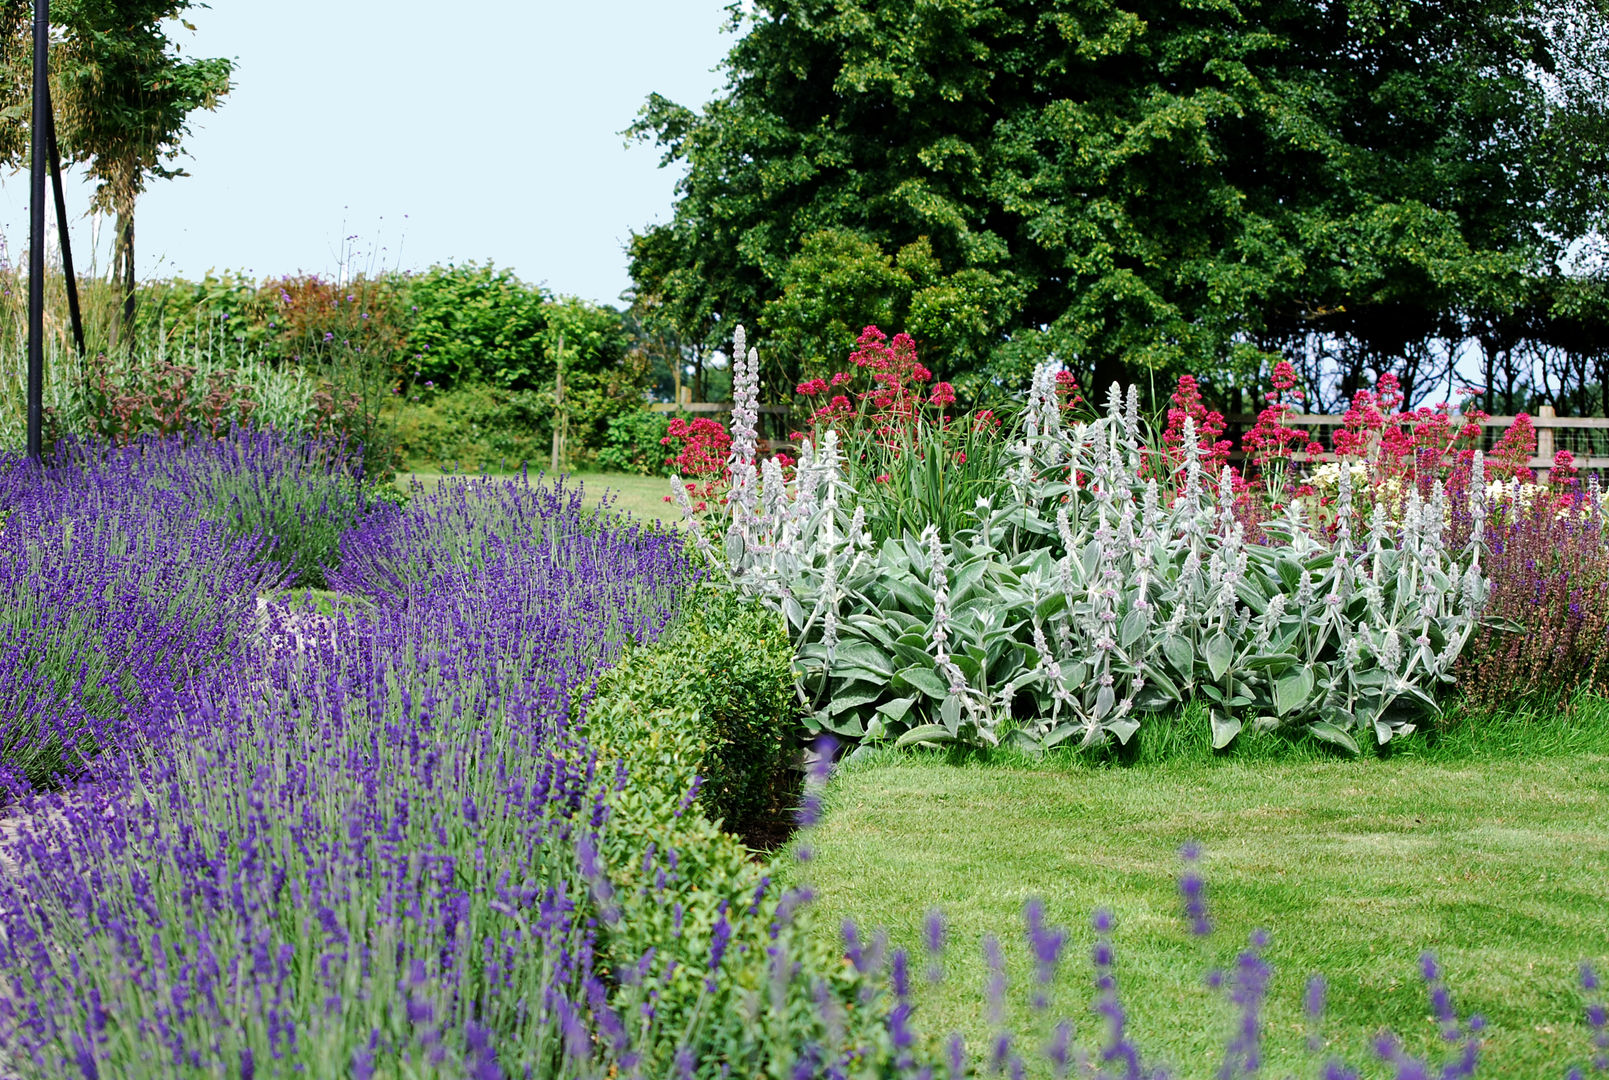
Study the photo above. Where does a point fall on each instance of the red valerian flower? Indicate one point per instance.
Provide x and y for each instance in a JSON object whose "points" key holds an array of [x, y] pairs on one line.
{"points": [[943, 394], [813, 387]]}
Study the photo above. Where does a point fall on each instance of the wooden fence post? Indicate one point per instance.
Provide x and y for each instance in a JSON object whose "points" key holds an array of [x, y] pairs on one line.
{"points": [[1544, 445]]}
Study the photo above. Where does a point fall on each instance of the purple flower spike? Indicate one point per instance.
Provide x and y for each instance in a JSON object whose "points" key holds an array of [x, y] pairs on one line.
{"points": [[1313, 1007], [933, 940], [996, 990], [956, 1056]]}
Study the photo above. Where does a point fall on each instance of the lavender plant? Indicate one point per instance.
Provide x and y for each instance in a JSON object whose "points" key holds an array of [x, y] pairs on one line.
{"points": [[373, 852], [113, 595]]}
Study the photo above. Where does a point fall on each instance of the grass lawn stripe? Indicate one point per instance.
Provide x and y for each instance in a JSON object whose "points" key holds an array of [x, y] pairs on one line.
{"points": [[1501, 867]]}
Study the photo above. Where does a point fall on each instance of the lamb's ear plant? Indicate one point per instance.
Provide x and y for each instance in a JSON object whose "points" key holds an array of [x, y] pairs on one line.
{"points": [[1107, 580]]}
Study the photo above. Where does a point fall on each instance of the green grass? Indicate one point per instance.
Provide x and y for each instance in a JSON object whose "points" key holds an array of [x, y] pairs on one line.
{"points": [[1498, 862], [642, 496], [319, 601]]}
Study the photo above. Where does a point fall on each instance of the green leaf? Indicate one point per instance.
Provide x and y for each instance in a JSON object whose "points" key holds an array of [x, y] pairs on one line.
{"points": [[1220, 653], [853, 696], [1331, 734], [897, 709], [1292, 690], [924, 733], [950, 714], [1180, 655], [1124, 729], [924, 679], [1224, 729], [864, 654], [1134, 625]]}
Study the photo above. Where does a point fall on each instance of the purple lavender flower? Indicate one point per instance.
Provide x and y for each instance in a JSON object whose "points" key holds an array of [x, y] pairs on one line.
{"points": [[933, 941]]}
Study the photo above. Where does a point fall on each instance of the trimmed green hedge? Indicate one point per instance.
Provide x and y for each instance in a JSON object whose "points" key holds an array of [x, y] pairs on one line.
{"points": [[713, 700], [724, 675]]}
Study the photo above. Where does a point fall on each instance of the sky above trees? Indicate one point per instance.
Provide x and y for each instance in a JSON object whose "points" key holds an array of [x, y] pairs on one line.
{"points": [[487, 130]]}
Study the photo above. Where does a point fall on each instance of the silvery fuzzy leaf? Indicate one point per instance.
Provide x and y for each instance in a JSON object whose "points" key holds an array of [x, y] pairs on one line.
{"points": [[950, 713], [865, 655], [1274, 662], [1224, 729], [873, 627], [735, 547], [897, 709], [793, 612], [1124, 729], [1104, 700], [926, 733], [924, 679], [1180, 654], [1134, 625], [1329, 733], [1292, 690], [1220, 653], [854, 696]]}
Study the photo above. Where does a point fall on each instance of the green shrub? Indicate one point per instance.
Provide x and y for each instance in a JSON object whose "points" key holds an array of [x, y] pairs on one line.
{"points": [[685, 708], [726, 673], [476, 427], [478, 323], [631, 444]]}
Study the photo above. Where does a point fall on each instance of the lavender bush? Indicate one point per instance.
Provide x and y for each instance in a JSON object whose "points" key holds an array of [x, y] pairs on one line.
{"points": [[112, 594], [371, 836]]}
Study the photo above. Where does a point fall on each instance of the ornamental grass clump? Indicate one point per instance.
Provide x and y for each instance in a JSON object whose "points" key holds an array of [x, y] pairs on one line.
{"points": [[1102, 580]]}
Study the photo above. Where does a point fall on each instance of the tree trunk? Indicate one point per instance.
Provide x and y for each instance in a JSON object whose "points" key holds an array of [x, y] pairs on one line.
{"points": [[123, 274], [125, 232]]}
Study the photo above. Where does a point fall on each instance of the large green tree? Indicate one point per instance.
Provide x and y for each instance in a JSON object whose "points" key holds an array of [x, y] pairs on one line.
{"points": [[1129, 184], [123, 95]]}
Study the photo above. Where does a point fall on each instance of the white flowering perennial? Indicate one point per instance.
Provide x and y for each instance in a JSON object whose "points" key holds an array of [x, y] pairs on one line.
{"points": [[1097, 595]]}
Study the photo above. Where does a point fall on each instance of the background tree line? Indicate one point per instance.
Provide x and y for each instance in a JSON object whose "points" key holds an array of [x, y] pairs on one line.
{"points": [[1153, 187]]}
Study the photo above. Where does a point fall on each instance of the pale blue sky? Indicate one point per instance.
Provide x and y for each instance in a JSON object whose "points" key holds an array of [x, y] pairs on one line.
{"points": [[473, 130]]}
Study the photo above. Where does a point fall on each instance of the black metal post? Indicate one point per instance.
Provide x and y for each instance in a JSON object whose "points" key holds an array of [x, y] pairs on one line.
{"points": [[61, 229], [36, 225]]}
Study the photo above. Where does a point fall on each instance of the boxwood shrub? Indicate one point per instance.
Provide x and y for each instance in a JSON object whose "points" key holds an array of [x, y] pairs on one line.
{"points": [[724, 677]]}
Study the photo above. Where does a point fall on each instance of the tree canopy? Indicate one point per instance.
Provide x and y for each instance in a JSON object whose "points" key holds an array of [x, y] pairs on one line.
{"points": [[1132, 184], [122, 91]]}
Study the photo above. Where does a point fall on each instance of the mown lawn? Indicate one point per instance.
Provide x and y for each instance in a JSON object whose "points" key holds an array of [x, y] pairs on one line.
{"points": [[1499, 865], [643, 496]]}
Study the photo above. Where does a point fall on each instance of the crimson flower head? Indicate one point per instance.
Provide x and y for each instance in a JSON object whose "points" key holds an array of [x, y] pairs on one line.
{"points": [[813, 387], [840, 402], [841, 377], [943, 394], [920, 373], [1284, 375]]}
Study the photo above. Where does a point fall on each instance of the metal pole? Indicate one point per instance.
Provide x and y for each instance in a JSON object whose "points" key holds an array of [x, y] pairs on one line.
{"points": [[36, 229], [61, 228]]}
